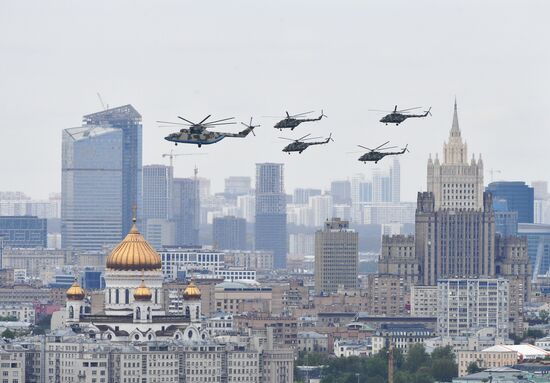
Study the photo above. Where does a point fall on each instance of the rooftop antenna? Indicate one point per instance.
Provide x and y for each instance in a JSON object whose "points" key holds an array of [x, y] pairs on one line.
{"points": [[492, 173]]}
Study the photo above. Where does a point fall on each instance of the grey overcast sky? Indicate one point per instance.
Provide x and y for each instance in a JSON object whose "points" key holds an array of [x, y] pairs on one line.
{"points": [[255, 58]]}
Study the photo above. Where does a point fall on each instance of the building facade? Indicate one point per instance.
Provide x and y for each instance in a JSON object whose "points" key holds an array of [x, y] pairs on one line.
{"points": [[270, 222], [470, 304], [519, 197], [336, 257], [229, 233], [398, 257], [186, 211], [23, 231]]}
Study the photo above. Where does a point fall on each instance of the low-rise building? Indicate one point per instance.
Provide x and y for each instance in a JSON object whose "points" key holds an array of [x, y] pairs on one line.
{"points": [[488, 358], [400, 336], [23, 312], [311, 341], [346, 348]]}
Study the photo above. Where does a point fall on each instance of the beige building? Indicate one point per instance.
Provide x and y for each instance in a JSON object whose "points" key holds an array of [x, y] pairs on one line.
{"points": [[12, 364], [35, 261], [387, 295], [488, 358], [424, 301], [336, 257], [237, 297], [398, 257], [311, 341], [258, 260], [23, 312]]}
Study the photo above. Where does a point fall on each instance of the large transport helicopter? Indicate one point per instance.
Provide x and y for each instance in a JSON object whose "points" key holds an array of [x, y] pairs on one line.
{"points": [[398, 116], [376, 154], [290, 122], [198, 134], [300, 144]]}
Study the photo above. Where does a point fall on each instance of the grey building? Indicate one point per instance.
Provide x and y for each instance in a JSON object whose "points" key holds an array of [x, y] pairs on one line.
{"points": [[336, 257], [23, 231], [157, 191], [236, 186], [186, 211], [126, 119], [270, 225], [340, 192], [91, 187], [455, 221], [229, 233], [301, 196]]}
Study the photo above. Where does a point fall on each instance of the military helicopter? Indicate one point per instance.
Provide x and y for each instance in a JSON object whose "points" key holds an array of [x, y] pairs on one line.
{"points": [[198, 134], [300, 145], [290, 122], [398, 116], [377, 154]]}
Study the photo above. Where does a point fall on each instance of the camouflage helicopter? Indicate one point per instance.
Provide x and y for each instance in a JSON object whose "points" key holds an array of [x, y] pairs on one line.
{"points": [[290, 122], [398, 116], [377, 154], [300, 144], [198, 134]]}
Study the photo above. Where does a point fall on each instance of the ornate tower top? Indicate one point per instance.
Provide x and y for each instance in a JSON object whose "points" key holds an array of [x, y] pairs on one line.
{"points": [[455, 151]]}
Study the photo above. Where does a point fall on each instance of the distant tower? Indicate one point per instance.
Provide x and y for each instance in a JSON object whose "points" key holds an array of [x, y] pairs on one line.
{"points": [[455, 182], [455, 221], [186, 211], [270, 225]]}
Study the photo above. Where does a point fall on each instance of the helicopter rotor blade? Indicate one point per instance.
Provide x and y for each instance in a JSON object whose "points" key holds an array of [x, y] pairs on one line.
{"points": [[301, 138], [190, 122], [223, 119], [381, 111], [301, 114], [364, 147], [173, 123], [406, 110], [385, 143], [289, 139], [217, 124], [206, 118]]}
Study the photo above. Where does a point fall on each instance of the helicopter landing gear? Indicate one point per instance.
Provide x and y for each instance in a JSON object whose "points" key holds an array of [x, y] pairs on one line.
{"points": [[176, 144], [200, 145]]}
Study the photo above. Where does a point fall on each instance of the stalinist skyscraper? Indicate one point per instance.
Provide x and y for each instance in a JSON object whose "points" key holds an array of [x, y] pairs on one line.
{"points": [[454, 218]]}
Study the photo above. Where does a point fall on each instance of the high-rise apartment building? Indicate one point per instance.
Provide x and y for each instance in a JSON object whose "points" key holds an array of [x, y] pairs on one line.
{"points": [[395, 177], [23, 231], [126, 119], [236, 186], [341, 192], [270, 225], [302, 196], [336, 257], [229, 233], [91, 187], [186, 211], [455, 222], [518, 196], [538, 247], [157, 191], [321, 209], [472, 304]]}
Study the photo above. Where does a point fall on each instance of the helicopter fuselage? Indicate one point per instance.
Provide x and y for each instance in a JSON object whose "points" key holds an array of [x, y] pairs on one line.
{"points": [[296, 147], [394, 118], [372, 156], [288, 123], [201, 137]]}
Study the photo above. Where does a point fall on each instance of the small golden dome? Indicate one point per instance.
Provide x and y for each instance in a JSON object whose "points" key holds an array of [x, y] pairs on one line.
{"points": [[134, 253], [191, 292], [75, 292], [142, 293]]}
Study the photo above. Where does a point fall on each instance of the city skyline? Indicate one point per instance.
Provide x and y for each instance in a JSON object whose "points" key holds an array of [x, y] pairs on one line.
{"points": [[296, 75]]}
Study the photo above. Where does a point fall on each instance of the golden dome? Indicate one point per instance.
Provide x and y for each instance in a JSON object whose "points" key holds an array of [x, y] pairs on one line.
{"points": [[75, 292], [191, 292], [133, 253], [142, 293]]}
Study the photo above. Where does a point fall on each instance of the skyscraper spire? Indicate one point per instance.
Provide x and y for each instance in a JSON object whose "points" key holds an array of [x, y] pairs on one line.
{"points": [[455, 130]]}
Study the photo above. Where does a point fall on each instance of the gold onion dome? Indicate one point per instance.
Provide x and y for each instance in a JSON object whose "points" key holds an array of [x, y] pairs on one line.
{"points": [[142, 293], [192, 291], [75, 292], [133, 253]]}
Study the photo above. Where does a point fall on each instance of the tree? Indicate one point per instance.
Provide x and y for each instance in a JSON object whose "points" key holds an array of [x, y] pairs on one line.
{"points": [[444, 370], [544, 315], [473, 368], [8, 334], [416, 357]]}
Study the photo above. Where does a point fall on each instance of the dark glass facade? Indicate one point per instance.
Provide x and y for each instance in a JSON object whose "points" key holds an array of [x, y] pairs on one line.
{"points": [[519, 197], [127, 119], [229, 233], [186, 211]]}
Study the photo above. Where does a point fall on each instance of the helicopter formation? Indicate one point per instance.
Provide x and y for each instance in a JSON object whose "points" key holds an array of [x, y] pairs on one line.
{"points": [[200, 134]]}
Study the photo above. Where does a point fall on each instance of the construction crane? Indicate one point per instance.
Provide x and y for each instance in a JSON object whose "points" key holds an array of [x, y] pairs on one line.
{"points": [[171, 155], [105, 106]]}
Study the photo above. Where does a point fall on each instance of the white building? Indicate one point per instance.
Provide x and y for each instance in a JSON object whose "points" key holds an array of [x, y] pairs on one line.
{"points": [[469, 304], [347, 348], [321, 209], [23, 312], [424, 301]]}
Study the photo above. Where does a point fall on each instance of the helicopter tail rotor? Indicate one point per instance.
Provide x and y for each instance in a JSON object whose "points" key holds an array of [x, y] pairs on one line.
{"points": [[330, 138], [250, 126], [426, 112], [323, 114]]}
